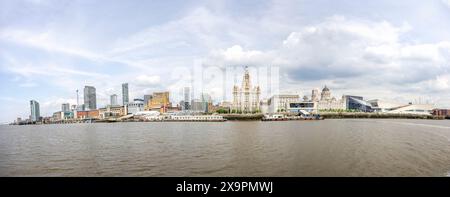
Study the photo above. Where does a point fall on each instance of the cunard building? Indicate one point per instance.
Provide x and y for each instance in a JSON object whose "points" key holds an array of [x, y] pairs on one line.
{"points": [[246, 97]]}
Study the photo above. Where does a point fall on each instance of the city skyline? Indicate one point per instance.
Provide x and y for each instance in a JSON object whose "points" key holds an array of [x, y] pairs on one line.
{"points": [[398, 50], [245, 101]]}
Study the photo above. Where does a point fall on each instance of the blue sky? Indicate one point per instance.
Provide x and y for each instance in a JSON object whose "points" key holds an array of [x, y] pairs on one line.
{"points": [[393, 50]]}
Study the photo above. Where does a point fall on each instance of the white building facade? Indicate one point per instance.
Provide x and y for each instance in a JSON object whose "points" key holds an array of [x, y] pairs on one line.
{"points": [[280, 103], [246, 98], [327, 102], [135, 106]]}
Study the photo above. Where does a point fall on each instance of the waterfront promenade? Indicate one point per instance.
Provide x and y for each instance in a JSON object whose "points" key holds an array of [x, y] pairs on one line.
{"points": [[359, 115], [247, 117]]}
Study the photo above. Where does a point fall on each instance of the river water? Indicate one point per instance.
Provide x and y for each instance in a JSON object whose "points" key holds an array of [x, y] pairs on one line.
{"points": [[349, 147]]}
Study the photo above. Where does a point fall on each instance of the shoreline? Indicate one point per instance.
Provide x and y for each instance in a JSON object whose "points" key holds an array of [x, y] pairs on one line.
{"points": [[356, 115], [260, 117]]}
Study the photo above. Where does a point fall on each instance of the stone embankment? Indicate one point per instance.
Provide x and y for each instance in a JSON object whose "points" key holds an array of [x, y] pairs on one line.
{"points": [[343, 115], [248, 117]]}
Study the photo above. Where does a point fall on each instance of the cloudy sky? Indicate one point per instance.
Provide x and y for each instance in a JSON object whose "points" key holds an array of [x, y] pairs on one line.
{"points": [[394, 50]]}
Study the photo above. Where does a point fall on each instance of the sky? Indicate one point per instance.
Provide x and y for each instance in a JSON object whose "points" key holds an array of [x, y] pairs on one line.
{"points": [[392, 50]]}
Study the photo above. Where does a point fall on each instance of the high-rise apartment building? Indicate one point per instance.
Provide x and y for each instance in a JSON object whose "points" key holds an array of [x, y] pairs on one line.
{"points": [[35, 112], [90, 98], [125, 97], [187, 97], [113, 101], [65, 107]]}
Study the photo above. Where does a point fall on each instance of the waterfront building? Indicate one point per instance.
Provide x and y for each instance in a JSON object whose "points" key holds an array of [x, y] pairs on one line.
{"points": [[246, 97], [67, 115], [264, 106], [381, 106], [90, 114], [198, 106], [213, 108], [332, 104], [159, 102], [357, 103], [112, 111], [62, 115], [384, 106], [65, 107], [280, 103], [56, 116], [136, 106], [324, 101], [81, 107], [93, 114], [203, 105], [113, 99], [185, 104], [303, 107], [327, 102], [418, 109], [315, 95], [46, 120], [78, 101], [182, 105], [441, 112], [35, 111], [186, 98], [117, 110], [90, 98], [207, 102], [147, 98], [125, 98], [225, 105], [173, 109], [325, 94]]}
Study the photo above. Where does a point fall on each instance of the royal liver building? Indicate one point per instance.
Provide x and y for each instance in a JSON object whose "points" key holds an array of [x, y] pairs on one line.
{"points": [[246, 98]]}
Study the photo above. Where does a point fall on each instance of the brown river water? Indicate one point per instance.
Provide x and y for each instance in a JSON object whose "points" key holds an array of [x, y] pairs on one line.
{"points": [[352, 147]]}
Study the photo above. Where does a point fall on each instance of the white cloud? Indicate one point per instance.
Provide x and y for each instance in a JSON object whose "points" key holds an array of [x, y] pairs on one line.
{"points": [[6, 98], [51, 40], [446, 2], [236, 55], [197, 27], [27, 73], [48, 40], [440, 83], [38, 2], [146, 80], [28, 84], [352, 55]]}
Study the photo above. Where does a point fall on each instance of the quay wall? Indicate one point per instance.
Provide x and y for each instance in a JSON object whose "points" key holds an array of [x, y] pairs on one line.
{"points": [[344, 115], [243, 117]]}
